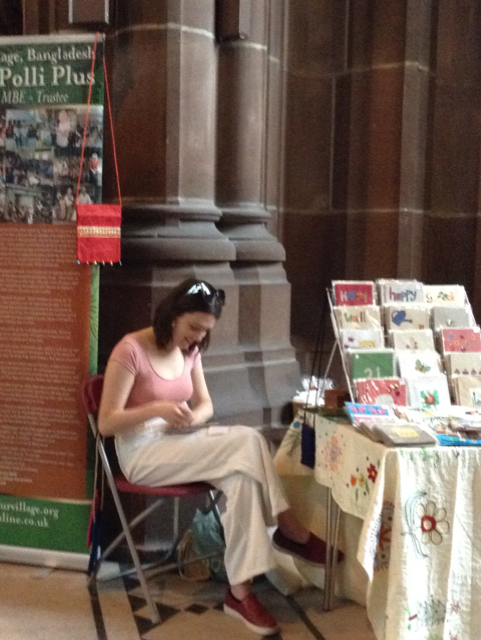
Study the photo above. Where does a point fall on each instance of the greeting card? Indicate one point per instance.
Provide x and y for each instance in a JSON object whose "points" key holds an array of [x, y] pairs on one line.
{"points": [[358, 317], [418, 363], [444, 294], [353, 292], [385, 391], [400, 291], [371, 363], [461, 340], [463, 364], [467, 391], [412, 340], [407, 317], [362, 338], [428, 392], [358, 411], [455, 317]]}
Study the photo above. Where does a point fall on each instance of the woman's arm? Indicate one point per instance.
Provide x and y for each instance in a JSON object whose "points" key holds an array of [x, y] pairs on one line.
{"points": [[201, 403], [114, 417]]}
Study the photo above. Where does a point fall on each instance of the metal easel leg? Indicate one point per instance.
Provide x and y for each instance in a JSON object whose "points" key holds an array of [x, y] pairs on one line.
{"points": [[333, 516], [328, 368], [328, 567], [336, 518]]}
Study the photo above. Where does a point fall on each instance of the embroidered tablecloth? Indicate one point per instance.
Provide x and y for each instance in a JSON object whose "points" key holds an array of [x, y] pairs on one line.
{"points": [[418, 544]]}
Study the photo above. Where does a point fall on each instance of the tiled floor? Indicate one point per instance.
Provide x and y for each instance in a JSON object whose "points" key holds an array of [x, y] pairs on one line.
{"points": [[46, 604]]}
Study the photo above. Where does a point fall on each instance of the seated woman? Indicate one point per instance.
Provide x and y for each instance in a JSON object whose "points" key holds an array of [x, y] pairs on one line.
{"points": [[154, 388]]}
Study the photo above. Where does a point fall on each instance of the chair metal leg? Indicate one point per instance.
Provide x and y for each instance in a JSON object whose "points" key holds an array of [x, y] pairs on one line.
{"points": [[214, 497], [155, 571], [121, 536], [175, 532], [155, 617]]}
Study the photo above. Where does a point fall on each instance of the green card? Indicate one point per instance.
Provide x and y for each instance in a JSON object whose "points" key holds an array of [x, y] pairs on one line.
{"points": [[372, 364]]}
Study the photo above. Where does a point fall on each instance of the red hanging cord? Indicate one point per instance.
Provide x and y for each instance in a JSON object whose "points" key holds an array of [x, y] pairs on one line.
{"points": [[112, 131], [87, 118]]}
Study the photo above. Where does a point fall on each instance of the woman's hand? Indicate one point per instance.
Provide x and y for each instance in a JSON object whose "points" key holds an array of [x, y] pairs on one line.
{"points": [[176, 414]]}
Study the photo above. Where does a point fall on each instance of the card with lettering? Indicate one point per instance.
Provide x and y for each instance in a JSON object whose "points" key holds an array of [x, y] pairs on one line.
{"points": [[467, 391], [428, 392], [358, 317], [461, 340], [463, 364], [401, 291], [371, 363], [444, 294], [412, 340], [362, 338], [385, 391], [407, 317], [450, 316], [418, 363], [358, 411], [353, 292]]}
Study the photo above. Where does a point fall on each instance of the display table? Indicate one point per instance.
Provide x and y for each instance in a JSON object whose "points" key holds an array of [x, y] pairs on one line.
{"points": [[419, 542]]}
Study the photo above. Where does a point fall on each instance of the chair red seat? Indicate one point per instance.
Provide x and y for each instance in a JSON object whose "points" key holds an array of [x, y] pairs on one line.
{"points": [[175, 490]]}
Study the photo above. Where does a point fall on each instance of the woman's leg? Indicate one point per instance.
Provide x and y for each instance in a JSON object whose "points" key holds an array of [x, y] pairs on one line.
{"points": [[175, 459], [248, 546]]}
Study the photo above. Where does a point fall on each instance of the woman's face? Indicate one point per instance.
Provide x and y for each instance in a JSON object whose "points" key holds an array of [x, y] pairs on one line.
{"points": [[191, 328]]}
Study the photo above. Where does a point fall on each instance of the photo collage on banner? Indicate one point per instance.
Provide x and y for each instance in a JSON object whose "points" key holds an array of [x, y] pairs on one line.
{"points": [[40, 152]]}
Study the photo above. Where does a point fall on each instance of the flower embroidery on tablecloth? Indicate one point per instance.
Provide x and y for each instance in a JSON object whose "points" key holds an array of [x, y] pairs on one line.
{"points": [[333, 454], [383, 550], [426, 524], [360, 480], [372, 473], [454, 607], [359, 484], [433, 523]]}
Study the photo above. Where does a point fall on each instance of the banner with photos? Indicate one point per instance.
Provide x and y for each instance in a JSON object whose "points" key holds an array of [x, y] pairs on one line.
{"points": [[48, 302]]}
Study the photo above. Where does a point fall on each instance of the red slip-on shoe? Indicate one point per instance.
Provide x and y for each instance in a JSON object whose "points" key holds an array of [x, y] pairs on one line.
{"points": [[252, 613], [313, 551]]}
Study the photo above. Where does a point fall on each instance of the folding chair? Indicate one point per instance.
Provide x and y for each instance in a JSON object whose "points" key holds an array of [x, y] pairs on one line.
{"points": [[117, 483]]}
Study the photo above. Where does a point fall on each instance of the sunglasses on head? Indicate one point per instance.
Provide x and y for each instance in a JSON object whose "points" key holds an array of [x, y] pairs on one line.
{"points": [[209, 294]]}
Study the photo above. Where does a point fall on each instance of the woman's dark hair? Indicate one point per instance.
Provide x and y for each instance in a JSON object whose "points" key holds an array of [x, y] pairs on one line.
{"points": [[188, 297]]}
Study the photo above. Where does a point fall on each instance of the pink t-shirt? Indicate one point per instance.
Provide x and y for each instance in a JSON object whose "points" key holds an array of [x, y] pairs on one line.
{"points": [[148, 385]]}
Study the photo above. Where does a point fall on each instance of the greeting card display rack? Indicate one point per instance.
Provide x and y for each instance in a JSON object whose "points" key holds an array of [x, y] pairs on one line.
{"points": [[404, 342]]}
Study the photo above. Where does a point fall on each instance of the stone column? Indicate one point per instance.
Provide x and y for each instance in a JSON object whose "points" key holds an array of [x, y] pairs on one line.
{"points": [[380, 137], [314, 230], [164, 85], [451, 248], [248, 138]]}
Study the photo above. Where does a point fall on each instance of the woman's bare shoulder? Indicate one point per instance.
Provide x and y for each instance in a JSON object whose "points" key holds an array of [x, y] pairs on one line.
{"points": [[144, 337]]}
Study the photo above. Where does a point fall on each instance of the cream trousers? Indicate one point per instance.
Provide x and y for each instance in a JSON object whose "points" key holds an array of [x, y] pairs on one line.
{"points": [[238, 463]]}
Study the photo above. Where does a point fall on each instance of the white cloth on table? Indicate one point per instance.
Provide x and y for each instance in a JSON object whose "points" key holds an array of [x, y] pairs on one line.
{"points": [[237, 462]]}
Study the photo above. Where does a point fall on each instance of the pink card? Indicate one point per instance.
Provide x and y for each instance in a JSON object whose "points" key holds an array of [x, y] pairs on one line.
{"points": [[381, 391], [353, 292], [461, 340]]}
